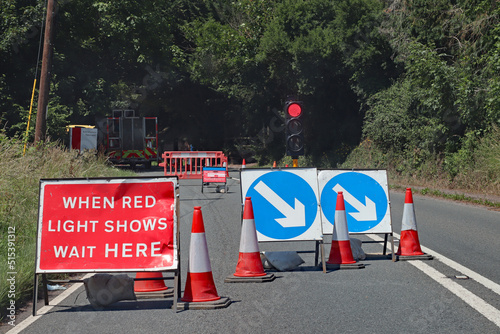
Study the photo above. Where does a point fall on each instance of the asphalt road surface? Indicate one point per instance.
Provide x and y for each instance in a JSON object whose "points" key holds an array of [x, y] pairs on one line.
{"points": [[384, 297]]}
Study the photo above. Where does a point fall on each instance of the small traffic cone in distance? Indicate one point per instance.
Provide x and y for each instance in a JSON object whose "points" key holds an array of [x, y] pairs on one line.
{"points": [[341, 252], [409, 244], [243, 164], [249, 267], [274, 164], [200, 291], [224, 164], [151, 288]]}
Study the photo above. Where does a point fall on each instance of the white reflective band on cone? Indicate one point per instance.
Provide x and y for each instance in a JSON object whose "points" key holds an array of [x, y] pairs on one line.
{"points": [[199, 262], [409, 222], [341, 233], [248, 242]]}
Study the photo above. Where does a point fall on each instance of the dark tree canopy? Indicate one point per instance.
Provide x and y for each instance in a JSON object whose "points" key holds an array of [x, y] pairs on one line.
{"points": [[403, 74]]}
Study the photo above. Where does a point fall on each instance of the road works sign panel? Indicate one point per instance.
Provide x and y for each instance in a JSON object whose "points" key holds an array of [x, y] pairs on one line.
{"points": [[366, 197], [214, 174], [98, 225], [285, 203]]}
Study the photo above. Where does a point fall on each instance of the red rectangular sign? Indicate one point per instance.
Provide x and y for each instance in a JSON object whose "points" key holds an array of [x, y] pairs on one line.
{"points": [[214, 174], [98, 225]]}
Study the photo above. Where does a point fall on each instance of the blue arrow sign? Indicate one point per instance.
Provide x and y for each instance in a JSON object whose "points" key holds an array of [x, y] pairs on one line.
{"points": [[366, 201], [285, 206]]}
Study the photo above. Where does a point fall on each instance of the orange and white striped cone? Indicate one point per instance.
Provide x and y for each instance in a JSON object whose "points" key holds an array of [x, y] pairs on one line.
{"points": [[249, 267], [151, 288], [341, 252], [409, 244], [243, 164], [200, 291]]}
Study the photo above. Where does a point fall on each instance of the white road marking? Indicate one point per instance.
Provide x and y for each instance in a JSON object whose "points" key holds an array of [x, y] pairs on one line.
{"points": [[477, 303], [45, 309], [464, 270]]}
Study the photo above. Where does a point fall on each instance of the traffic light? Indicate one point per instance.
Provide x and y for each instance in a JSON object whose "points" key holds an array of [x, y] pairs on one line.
{"points": [[294, 128]]}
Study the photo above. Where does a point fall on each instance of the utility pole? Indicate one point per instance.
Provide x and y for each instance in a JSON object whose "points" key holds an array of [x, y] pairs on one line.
{"points": [[43, 93]]}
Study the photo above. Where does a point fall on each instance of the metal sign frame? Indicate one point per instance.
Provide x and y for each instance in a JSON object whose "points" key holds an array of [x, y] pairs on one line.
{"points": [[286, 204], [214, 175], [132, 185], [378, 176]]}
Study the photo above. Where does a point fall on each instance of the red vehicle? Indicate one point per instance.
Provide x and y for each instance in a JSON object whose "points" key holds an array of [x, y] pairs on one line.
{"points": [[131, 139]]}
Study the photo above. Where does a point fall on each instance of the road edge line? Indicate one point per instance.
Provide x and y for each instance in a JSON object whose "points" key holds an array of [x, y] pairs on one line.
{"points": [[486, 282], [45, 309], [480, 305]]}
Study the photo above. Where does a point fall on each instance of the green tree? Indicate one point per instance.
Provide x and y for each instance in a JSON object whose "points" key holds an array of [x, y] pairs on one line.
{"points": [[310, 49]]}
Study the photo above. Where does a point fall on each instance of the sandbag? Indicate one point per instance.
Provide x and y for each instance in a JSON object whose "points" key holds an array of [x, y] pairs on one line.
{"points": [[282, 261], [105, 289], [357, 250]]}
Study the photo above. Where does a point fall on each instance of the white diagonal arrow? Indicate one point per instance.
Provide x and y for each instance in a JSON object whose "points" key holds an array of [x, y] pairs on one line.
{"points": [[294, 217], [365, 212]]}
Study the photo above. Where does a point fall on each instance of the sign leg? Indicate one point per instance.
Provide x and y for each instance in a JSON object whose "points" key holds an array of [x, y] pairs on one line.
{"points": [[316, 254], [45, 289], [323, 256], [392, 246], [176, 288], [35, 293]]}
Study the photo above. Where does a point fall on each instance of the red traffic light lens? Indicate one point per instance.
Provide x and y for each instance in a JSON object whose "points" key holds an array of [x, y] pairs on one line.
{"points": [[294, 110]]}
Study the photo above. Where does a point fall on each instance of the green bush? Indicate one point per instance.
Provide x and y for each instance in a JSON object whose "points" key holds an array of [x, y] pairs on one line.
{"points": [[474, 167]]}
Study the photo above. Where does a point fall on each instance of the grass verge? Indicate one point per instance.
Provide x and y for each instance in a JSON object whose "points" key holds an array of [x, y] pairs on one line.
{"points": [[19, 192], [456, 196]]}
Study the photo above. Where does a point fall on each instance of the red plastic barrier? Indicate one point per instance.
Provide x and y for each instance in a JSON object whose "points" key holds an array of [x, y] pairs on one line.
{"points": [[189, 165]]}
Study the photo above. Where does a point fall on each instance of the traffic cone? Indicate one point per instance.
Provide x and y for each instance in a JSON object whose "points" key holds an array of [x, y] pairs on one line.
{"points": [[249, 267], [409, 245], [200, 287], [274, 164], [341, 253], [243, 164], [224, 164], [151, 288]]}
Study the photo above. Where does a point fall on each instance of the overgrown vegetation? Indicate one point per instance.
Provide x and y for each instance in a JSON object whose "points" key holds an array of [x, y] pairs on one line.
{"points": [[438, 122], [475, 168], [19, 187], [417, 79]]}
